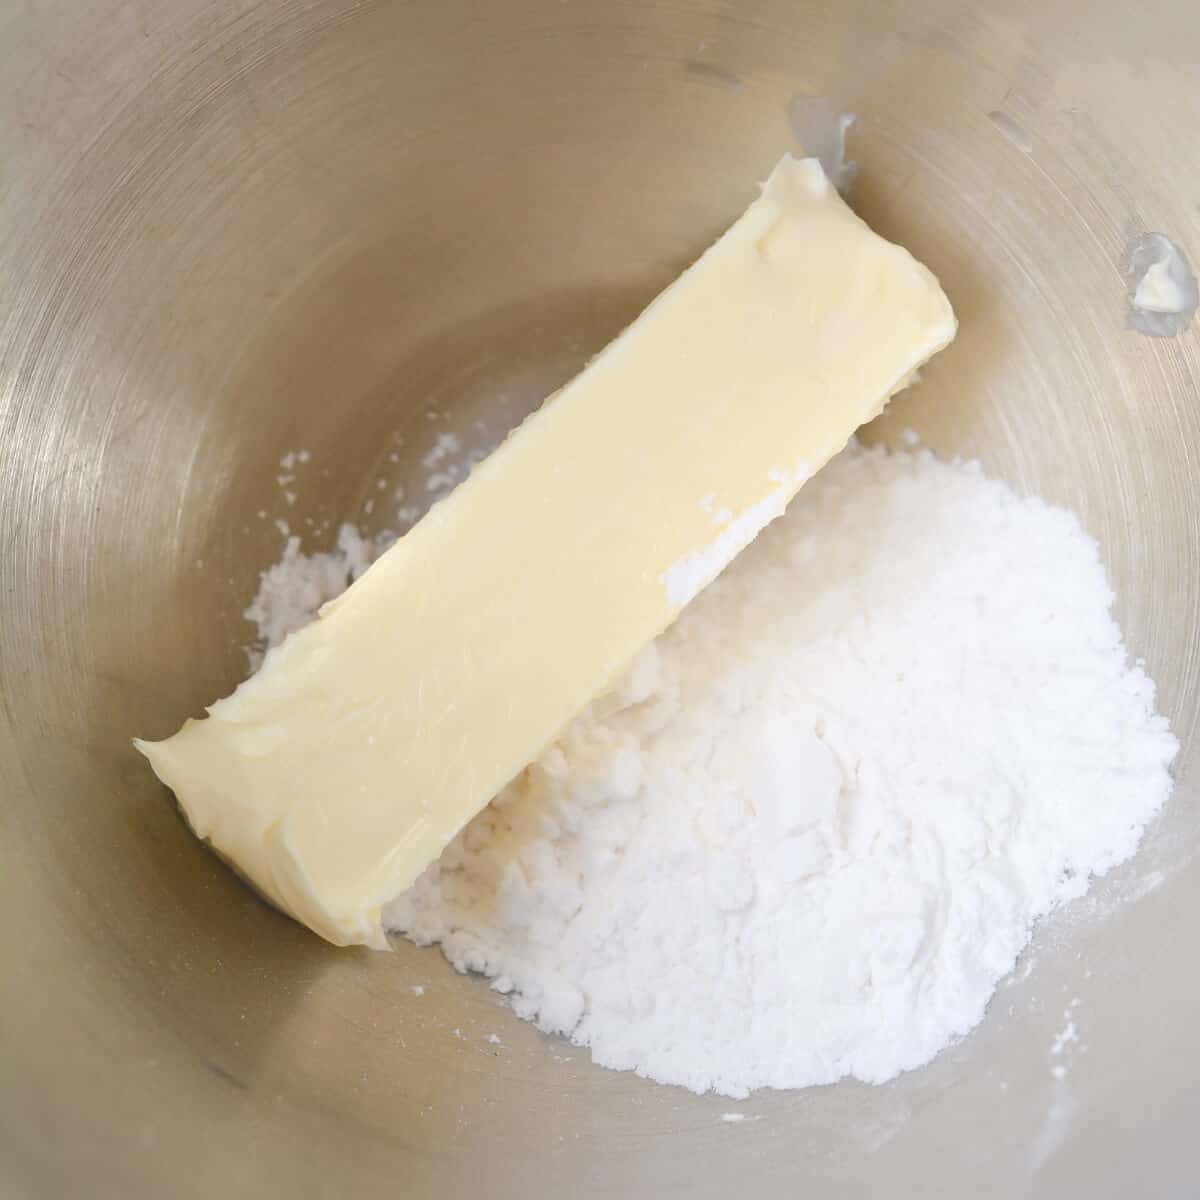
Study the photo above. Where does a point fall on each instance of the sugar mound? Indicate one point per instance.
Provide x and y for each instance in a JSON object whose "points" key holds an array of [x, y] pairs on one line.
{"points": [[813, 826]]}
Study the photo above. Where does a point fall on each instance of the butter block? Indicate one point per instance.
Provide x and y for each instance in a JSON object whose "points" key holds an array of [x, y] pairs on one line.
{"points": [[335, 775]]}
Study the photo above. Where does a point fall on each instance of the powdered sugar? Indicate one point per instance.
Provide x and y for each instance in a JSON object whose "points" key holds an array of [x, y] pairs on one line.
{"points": [[812, 828], [685, 578], [291, 591]]}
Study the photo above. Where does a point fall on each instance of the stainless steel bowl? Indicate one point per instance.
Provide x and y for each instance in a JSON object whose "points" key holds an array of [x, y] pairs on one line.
{"points": [[232, 228]]}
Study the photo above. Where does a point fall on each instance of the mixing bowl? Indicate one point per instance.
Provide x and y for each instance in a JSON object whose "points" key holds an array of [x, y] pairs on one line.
{"points": [[230, 229]]}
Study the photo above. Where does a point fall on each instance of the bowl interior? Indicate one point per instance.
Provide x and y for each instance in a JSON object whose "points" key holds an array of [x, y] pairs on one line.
{"points": [[232, 231]]}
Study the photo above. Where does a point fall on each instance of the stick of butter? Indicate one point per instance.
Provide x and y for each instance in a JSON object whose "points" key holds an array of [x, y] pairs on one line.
{"points": [[335, 775]]}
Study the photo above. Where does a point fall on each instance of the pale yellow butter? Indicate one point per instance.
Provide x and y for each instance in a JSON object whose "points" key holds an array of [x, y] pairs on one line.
{"points": [[335, 775]]}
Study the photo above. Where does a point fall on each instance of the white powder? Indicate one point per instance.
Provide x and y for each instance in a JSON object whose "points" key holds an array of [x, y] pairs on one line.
{"points": [[291, 591], [685, 579], [447, 446], [812, 828]]}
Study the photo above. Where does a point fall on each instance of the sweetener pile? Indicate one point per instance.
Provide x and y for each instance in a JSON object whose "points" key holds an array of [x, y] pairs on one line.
{"points": [[812, 828]]}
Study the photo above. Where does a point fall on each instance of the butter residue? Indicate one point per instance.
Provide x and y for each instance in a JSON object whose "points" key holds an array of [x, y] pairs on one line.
{"points": [[1163, 294]]}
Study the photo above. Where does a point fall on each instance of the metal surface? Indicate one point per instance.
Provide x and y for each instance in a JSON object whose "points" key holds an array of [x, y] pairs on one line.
{"points": [[231, 228]]}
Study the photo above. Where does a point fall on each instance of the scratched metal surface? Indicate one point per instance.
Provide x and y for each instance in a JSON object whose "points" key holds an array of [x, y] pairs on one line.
{"points": [[232, 228]]}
